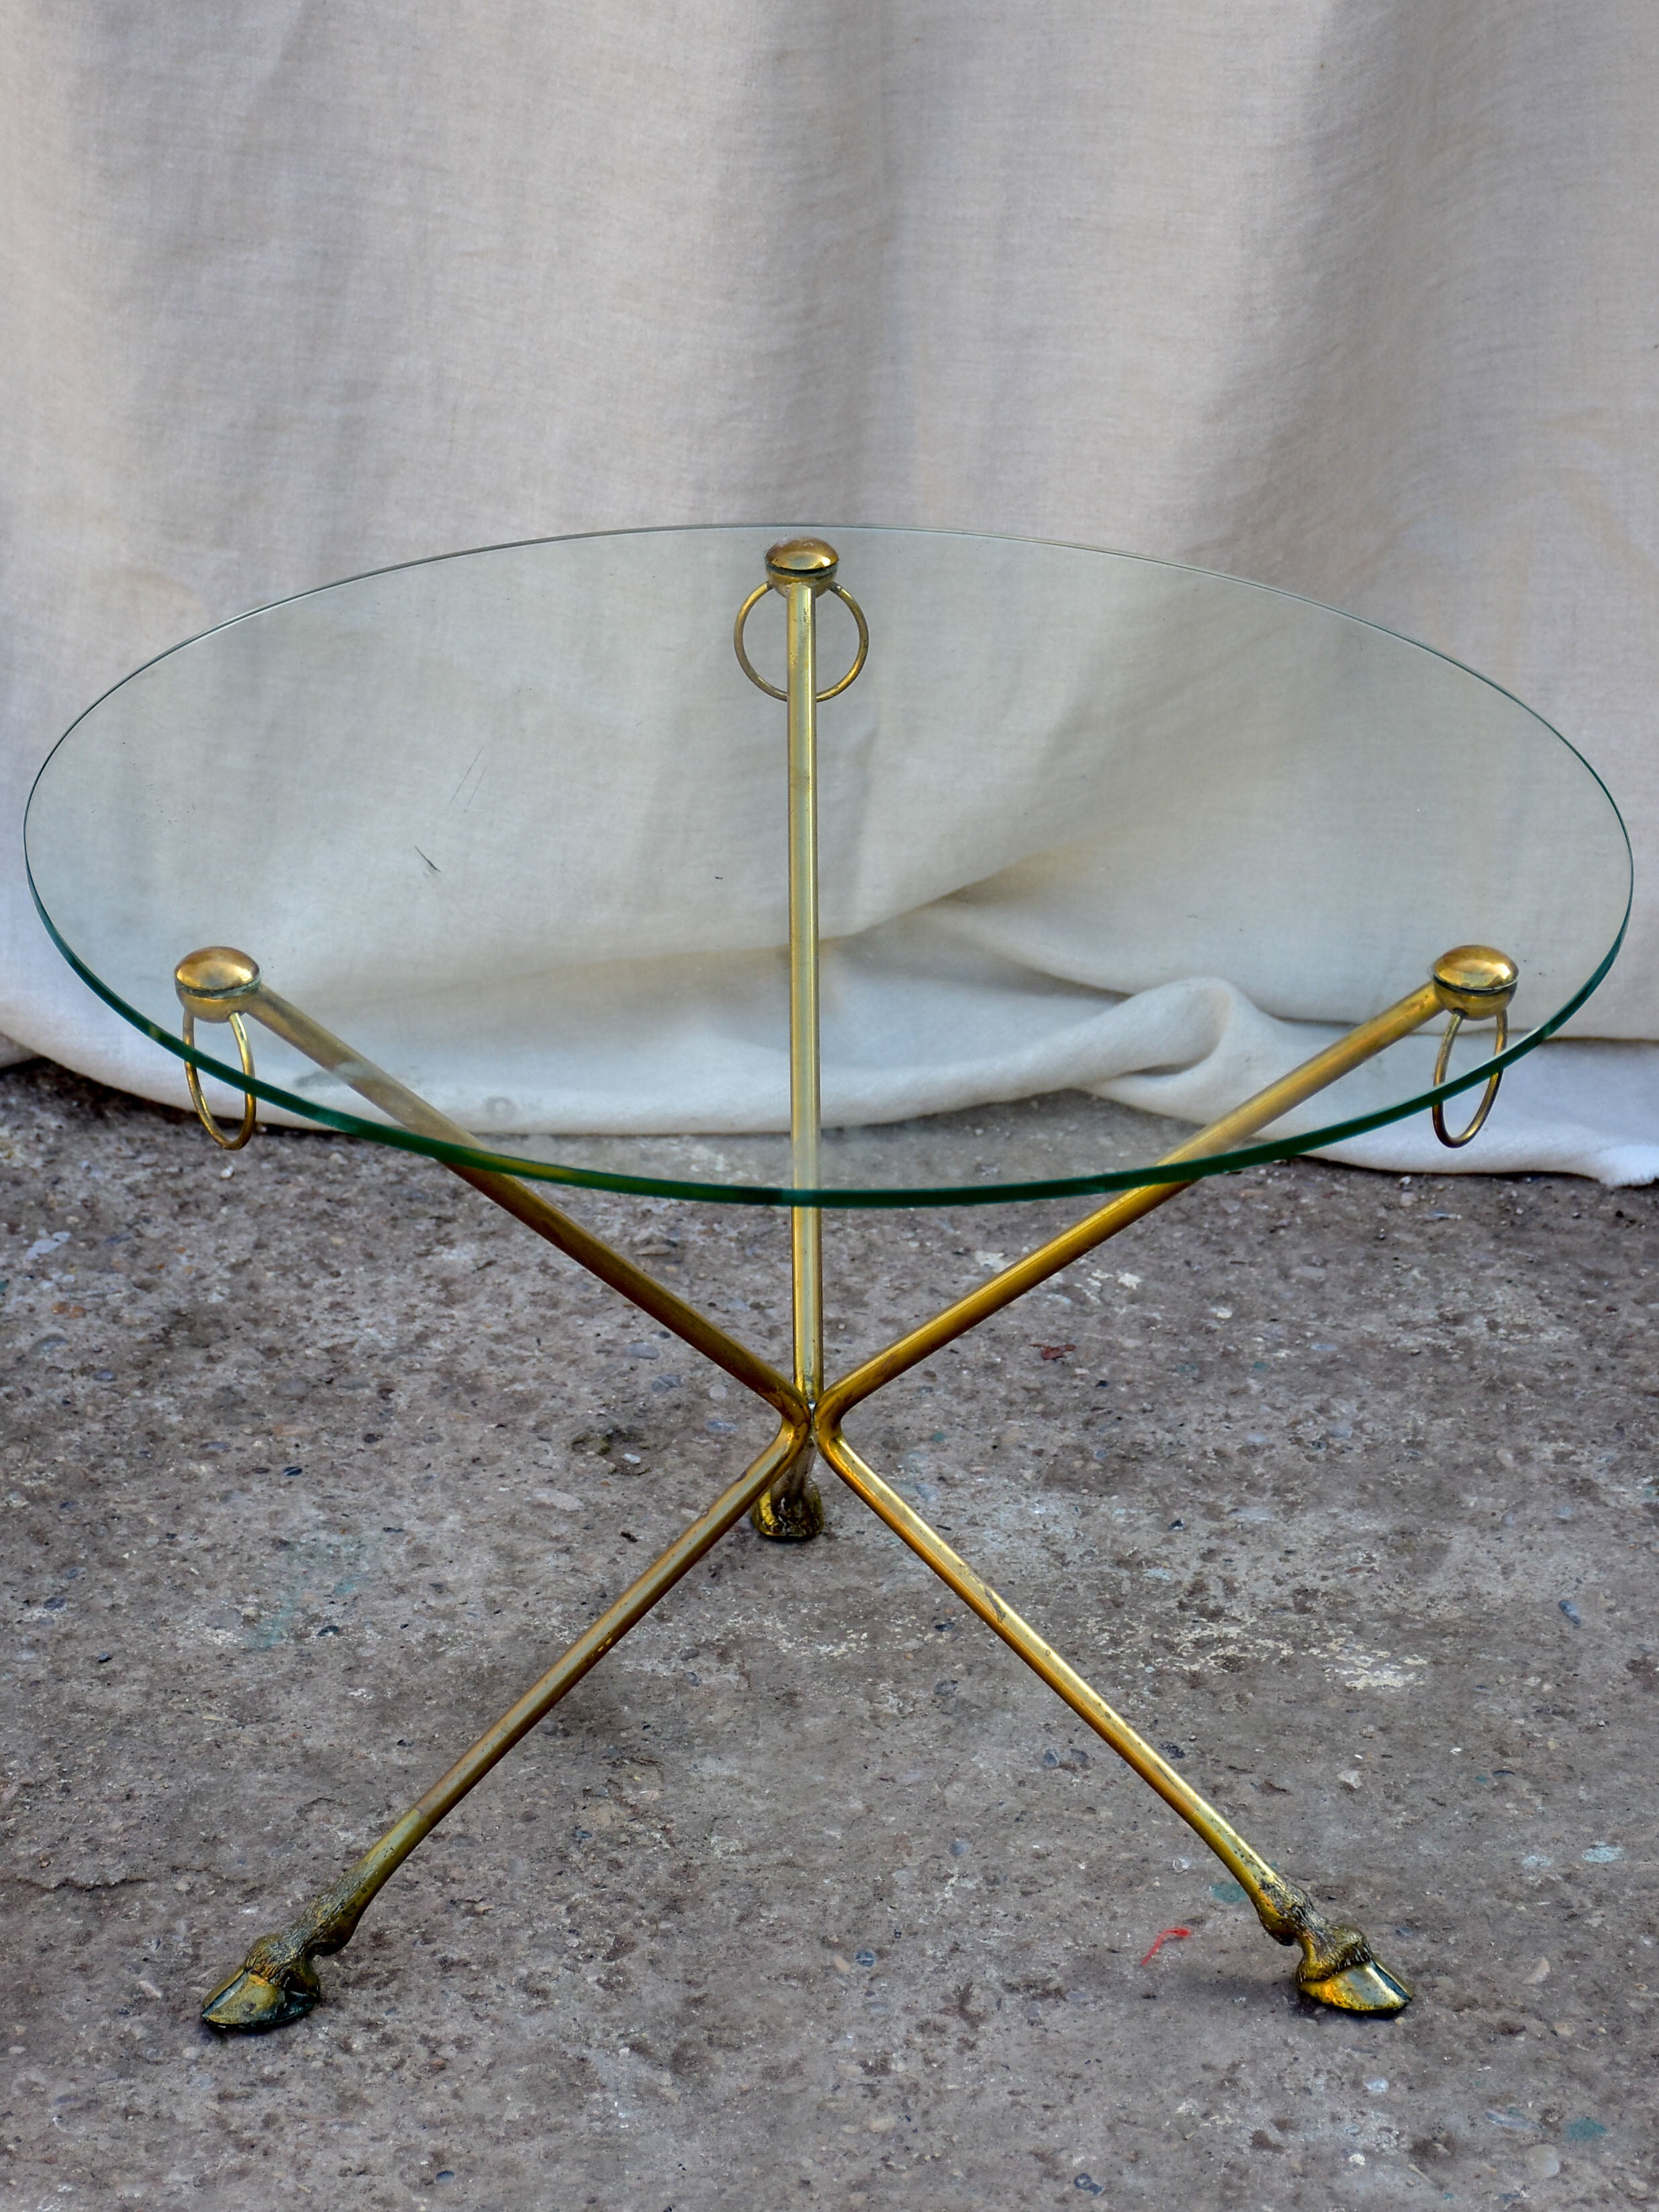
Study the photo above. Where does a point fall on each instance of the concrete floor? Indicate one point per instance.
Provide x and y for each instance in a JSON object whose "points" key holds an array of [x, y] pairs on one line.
{"points": [[810, 1895]]}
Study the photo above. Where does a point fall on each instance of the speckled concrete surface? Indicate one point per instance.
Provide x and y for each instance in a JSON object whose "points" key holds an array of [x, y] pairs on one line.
{"points": [[809, 1896]]}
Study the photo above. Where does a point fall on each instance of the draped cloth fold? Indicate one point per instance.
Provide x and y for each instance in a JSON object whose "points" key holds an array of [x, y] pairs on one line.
{"points": [[1352, 300]]}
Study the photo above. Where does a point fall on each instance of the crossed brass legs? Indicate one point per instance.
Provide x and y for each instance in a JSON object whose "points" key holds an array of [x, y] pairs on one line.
{"points": [[276, 1981]]}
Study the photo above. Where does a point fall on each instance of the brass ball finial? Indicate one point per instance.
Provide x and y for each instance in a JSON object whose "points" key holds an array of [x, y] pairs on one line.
{"points": [[213, 982], [1474, 980], [802, 561]]}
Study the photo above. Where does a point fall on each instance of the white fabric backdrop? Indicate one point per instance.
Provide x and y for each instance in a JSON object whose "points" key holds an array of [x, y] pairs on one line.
{"points": [[1354, 296]]}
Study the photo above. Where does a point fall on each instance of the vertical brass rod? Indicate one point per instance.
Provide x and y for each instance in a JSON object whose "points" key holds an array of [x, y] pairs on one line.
{"points": [[806, 1104], [798, 571]]}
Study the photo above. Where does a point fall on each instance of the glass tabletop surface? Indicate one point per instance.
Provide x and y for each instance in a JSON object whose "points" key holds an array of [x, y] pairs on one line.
{"points": [[1100, 832]]}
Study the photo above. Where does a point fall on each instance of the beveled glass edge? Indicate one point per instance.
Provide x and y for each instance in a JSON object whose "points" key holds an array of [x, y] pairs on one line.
{"points": [[510, 1164], [828, 1201]]}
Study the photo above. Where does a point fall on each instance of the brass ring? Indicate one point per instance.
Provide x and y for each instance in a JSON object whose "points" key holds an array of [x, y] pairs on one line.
{"points": [[771, 689], [1492, 1081], [239, 1031]]}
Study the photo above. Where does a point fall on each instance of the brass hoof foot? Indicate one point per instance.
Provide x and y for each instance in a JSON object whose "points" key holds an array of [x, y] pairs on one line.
{"points": [[276, 1982], [1339, 1967], [1365, 1986], [250, 2001], [794, 1519]]}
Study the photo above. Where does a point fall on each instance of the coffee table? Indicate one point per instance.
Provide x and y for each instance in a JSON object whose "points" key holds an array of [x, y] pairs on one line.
{"points": [[512, 840]]}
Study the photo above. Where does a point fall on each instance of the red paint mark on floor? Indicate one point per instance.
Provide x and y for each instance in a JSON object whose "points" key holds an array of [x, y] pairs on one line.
{"points": [[1169, 1935]]}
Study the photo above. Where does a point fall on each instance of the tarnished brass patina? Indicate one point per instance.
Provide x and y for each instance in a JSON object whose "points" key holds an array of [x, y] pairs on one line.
{"points": [[210, 983], [278, 1980]]}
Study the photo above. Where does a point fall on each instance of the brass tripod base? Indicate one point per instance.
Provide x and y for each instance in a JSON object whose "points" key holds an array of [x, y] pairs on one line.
{"points": [[222, 984], [276, 1982]]}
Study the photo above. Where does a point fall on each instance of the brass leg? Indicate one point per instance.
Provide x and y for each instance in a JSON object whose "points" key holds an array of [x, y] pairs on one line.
{"points": [[219, 980], [276, 1981], [1339, 1966]]}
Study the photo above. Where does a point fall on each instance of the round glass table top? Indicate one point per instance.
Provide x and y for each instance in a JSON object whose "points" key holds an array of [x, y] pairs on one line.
{"points": [[1125, 838]]}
